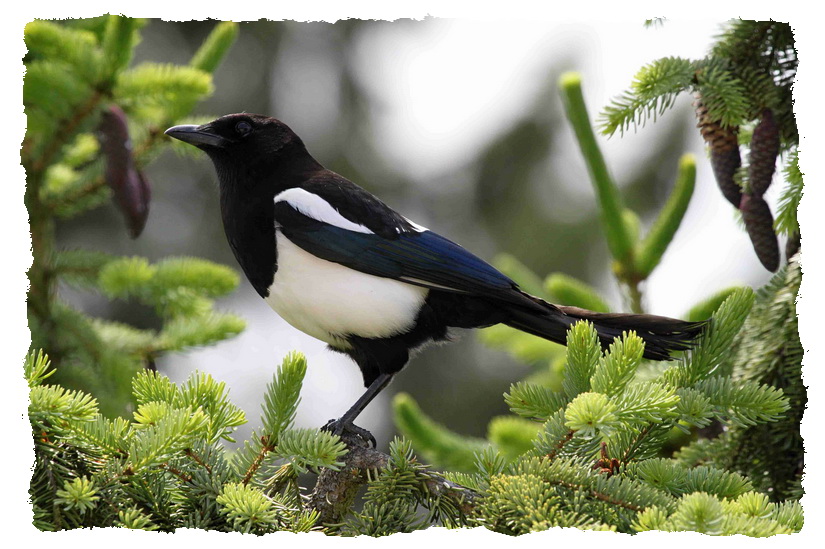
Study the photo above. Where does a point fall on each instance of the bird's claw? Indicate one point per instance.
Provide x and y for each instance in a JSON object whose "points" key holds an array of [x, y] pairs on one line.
{"points": [[338, 427]]}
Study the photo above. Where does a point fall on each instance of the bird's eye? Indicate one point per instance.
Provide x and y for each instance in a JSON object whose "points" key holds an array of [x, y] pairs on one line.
{"points": [[243, 127]]}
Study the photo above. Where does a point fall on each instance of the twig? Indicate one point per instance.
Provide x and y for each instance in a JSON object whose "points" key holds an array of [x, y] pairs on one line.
{"points": [[266, 447], [561, 444], [636, 443], [192, 455], [598, 495], [185, 477]]}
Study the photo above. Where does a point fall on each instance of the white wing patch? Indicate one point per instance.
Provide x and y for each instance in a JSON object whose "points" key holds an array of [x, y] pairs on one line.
{"points": [[312, 205], [426, 284], [416, 226]]}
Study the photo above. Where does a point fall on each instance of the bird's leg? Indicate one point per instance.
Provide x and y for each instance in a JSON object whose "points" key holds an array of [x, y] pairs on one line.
{"points": [[345, 422]]}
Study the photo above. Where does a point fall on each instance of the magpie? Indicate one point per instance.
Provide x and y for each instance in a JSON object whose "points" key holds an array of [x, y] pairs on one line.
{"points": [[340, 265]]}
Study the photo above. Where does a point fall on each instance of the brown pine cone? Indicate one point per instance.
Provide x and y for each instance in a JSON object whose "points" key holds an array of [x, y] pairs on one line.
{"points": [[724, 152], [130, 188], [764, 150], [759, 223]]}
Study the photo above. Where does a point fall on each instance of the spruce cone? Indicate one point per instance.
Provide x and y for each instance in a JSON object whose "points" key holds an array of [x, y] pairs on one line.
{"points": [[759, 223], [724, 152], [764, 150], [130, 188]]}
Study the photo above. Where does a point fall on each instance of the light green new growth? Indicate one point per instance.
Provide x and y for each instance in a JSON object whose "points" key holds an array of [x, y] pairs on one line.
{"points": [[567, 290], [79, 495], [215, 47], [667, 223], [618, 366], [591, 414], [610, 202], [167, 468], [597, 459], [583, 355], [76, 71], [635, 256], [436, 443]]}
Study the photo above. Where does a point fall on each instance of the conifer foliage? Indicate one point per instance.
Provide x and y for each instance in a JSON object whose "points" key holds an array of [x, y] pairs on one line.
{"points": [[598, 455], [709, 442], [166, 468], [94, 122], [598, 440], [743, 101]]}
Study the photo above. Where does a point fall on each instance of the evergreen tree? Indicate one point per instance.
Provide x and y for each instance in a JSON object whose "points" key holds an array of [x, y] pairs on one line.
{"points": [[167, 468], [743, 101], [708, 442], [94, 123], [593, 462]]}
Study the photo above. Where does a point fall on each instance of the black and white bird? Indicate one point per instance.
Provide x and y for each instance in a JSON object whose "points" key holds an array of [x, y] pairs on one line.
{"points": [[340, 265]]}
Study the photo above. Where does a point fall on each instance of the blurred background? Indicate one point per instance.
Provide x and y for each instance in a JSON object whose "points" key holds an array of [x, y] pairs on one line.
{"points": [[457, 124]]}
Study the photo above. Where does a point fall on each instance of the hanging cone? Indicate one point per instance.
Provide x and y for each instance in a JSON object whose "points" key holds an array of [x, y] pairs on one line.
{"points": [[130, 188], [764, 150], [724, 152], [759, 223]]}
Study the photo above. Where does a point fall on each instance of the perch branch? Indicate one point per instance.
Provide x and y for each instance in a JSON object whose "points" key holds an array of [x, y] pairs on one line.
{"points": [[335, 491]]}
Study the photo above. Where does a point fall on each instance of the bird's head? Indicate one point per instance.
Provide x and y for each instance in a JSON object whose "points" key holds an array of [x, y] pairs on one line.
{"points": [[251, 141]]}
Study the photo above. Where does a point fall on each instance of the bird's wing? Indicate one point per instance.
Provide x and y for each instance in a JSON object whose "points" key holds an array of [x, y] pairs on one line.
{"points": [[402, 251]]}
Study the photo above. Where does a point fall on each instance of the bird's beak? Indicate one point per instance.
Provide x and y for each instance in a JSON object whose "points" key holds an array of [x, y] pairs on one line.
{"points": [[197, 135]]}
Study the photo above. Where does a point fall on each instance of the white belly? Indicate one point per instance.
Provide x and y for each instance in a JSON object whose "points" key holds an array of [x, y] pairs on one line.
{"points": [[329, 301]]}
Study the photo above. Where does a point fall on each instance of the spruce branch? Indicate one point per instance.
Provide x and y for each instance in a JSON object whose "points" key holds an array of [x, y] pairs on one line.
{"points": [[583, 355], [653, 91], [786, 215], [533, 401], [568, 436], [746, 80], [264, 447], [334, 491]]}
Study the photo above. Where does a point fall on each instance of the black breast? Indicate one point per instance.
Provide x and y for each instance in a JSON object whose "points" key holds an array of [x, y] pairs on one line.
{"points": [[249, 223]]}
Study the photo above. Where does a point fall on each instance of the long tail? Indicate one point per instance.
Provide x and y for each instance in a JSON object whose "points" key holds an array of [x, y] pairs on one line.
{"points": [[662, 335]]}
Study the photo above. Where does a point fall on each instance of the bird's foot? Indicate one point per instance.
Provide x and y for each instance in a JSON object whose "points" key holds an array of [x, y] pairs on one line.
{"points": [[338, 427]]}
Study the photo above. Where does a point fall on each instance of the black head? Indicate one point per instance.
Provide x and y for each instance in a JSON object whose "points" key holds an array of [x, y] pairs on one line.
{"points": [[243, 142]]}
